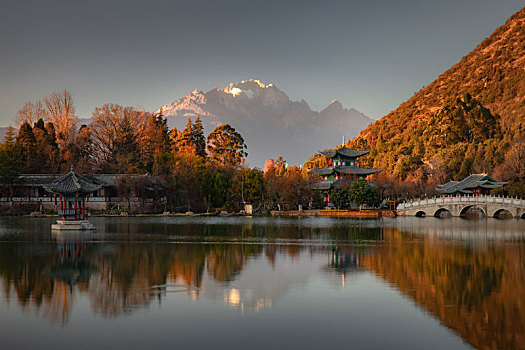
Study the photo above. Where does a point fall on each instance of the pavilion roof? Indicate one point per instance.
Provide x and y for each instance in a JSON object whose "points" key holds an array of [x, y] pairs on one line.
{"points": [[344, 151], [349, 170], [326, 185], [470, 182], [322, 185], [72, 182]]}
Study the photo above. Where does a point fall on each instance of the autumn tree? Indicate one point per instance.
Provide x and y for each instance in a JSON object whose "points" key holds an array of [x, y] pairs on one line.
{"points": [[106, 127], [61, 112], [156, 140], [226, 146], [318, 160], [82, 150], [30, 113], [183, 141], [127, 150]]}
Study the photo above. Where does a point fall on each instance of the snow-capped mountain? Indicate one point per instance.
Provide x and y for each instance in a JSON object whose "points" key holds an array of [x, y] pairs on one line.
{"points": [[270, 123]]}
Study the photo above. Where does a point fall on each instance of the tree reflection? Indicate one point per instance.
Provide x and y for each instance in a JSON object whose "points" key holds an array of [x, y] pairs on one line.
{"points": [[475, 289]]}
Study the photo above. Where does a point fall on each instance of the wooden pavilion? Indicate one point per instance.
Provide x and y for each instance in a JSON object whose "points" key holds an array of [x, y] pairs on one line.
{"points": [[71, 190], [344, 170]]}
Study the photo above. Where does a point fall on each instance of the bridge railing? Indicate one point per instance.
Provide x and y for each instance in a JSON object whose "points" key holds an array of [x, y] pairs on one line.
{"points": [[513, 201]]}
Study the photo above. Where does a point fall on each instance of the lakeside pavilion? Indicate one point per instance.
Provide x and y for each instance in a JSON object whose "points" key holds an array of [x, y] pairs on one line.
{"points": [[474, 184], [344, 170], [72, 189]]}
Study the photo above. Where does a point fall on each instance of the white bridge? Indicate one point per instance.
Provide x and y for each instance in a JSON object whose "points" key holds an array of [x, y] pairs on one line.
{"points": [[492, 206]]}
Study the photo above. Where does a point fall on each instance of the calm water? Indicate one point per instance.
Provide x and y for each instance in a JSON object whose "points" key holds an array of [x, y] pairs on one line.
{"points": [[264, 283]]}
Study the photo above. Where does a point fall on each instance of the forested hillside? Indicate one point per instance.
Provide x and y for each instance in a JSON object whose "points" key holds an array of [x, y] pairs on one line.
{"points": [[470, 119]]}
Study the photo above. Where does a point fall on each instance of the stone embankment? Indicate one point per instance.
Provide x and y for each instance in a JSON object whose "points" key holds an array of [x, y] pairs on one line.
{"points": [[370, 213]]}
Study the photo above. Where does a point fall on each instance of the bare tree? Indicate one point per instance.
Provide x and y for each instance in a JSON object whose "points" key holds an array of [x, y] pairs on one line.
{"points": [[61, 112], [106, 126], [30, 113]]}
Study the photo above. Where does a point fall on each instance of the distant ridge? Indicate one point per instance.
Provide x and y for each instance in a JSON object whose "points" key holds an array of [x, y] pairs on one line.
{"points": [[493, 73], [269, 121]]}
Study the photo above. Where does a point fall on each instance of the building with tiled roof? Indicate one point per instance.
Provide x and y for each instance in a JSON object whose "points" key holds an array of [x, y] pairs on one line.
{"points": [[344, 169], [474, 184]]}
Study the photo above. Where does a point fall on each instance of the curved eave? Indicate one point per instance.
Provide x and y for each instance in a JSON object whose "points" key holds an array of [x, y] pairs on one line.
{"points": [[323, 171], [344, 152], [323, 185], [72, 183], [350, 170]]}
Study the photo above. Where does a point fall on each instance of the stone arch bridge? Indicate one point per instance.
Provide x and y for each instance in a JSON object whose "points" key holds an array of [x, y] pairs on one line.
{"points": [[492, 206]]}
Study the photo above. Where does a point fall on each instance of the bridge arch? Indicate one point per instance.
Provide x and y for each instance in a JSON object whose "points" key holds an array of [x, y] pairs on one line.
{"points": [[523, 216], [442, 212], [421, 214], [502, 214], [464, 211]]}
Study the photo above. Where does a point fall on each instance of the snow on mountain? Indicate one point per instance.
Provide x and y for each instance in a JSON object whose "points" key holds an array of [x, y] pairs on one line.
{"points": [[270, 123]]}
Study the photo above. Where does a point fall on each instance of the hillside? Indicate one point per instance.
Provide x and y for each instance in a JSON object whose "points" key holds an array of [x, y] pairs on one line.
{"points": [[494, 75], [270, 123]]}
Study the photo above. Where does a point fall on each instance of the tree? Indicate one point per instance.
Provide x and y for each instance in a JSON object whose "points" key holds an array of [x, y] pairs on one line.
{"points": [[361, 192], [226, 146], [198, 138], [248, 185], [127, 151], [156, 140], [318, 160], [183, 142], [339, 196], [61, 112], [30, 113], [82, 150], [11, 160], [26, 141], [106, 126]]}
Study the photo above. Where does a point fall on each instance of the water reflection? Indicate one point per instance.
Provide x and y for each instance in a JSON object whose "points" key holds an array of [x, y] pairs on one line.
{"points": [[471, 277]]}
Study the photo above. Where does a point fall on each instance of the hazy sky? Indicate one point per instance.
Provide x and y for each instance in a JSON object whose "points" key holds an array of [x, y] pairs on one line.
{"points": [[369, 54]]}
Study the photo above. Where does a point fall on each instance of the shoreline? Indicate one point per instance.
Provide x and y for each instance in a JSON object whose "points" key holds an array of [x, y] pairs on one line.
{"points": [[341, 213]]}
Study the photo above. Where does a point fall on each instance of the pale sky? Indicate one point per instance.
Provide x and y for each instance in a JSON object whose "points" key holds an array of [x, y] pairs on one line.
{"points": [[370, 54]]}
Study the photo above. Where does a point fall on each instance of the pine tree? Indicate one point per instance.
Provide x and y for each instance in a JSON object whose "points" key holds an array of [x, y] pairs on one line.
{"points": [[184, 143], [198, 138], [11, 160], [27, 142]]}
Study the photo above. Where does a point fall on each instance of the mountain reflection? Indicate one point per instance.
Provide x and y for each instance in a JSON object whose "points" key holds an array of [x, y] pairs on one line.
{"points": [[474, 287]]}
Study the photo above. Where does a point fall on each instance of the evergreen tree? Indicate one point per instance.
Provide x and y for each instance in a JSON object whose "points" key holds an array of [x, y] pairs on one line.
{"points": [[198, 138], [27, 142], [11, 161], [184, 141], [340, 196], [361, 192], [226, 146]]}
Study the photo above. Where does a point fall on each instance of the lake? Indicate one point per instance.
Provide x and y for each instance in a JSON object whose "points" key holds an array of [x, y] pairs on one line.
{"points": [[263, 283]]}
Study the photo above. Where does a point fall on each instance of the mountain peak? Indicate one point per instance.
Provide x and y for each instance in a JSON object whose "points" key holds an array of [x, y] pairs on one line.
{"points": [[259, 111], [335, 106], [255, 81]]}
